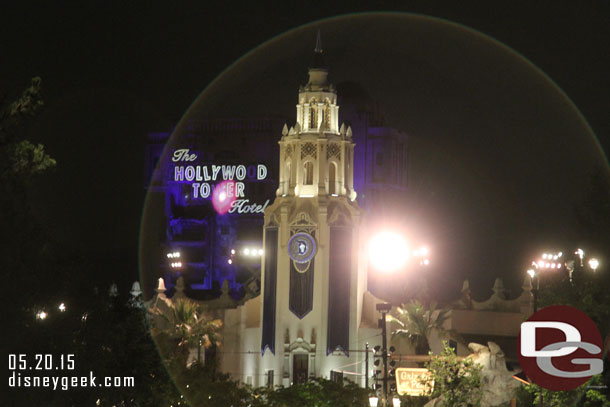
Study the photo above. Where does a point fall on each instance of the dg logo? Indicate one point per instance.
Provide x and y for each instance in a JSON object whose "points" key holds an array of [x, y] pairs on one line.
{"points": [[560, 348]]}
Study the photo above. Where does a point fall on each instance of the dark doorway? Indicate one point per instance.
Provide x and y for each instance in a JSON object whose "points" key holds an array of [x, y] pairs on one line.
{"points": [[299, 368]]}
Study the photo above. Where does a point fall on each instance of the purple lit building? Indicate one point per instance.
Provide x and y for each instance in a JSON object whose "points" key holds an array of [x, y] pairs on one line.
{"points": [[211, 245]]}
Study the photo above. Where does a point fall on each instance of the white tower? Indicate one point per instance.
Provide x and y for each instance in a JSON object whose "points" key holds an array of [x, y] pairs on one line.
{"points": [[312, 284]]}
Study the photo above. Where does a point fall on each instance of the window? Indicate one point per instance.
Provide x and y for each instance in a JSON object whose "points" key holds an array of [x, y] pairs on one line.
{"points": [[326, 114], [313, 114], [270, 379], [308, 173], [332, 177]]}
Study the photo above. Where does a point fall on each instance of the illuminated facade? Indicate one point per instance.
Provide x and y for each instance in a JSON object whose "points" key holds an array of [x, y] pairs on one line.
{"points": [[309, 319], [191, 224], [378, 170], [310, 311]]}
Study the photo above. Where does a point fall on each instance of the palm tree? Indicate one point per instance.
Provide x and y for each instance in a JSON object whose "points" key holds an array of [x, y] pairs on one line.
{"points": [[187, 324], [417, 321]]}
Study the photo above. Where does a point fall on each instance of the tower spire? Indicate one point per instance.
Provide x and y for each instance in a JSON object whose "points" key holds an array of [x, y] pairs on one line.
{"points": [[318, 62], [318, 48]]}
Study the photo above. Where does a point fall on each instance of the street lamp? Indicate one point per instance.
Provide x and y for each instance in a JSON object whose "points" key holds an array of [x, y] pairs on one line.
{"points": [[384, 308], [388, 252], [552, 261]]}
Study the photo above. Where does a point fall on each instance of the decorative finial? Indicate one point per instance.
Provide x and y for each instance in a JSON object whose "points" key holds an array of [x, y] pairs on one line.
{"points": [[136, 290], [466, 285], [498, 288], [160, 286], [318, 43]]}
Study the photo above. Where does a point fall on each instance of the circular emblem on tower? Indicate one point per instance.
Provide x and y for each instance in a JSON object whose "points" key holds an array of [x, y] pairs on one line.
{"points": [[302, 247]]}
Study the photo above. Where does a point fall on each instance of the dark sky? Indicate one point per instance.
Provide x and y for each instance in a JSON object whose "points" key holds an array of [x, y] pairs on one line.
{"points": [[114, 71]]}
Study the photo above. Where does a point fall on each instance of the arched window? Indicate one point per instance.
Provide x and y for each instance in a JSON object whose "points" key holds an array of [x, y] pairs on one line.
{"points": [[313, 114], [332, 178], [327, 114], [308, 173], [288, 175]]}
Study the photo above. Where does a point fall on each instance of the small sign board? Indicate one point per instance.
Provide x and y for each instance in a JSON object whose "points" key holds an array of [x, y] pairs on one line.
{"points": [[409, 381]]}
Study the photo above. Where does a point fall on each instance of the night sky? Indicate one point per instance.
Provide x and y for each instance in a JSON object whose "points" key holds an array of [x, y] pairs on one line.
{"points": [[500, 144]]}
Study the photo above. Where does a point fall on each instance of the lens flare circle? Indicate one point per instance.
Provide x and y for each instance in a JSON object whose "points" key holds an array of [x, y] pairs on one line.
{"points": [[222, 200]]}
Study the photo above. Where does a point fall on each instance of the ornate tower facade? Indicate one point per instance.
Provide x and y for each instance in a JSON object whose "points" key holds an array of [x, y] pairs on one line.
{"points": [[312, 281]]}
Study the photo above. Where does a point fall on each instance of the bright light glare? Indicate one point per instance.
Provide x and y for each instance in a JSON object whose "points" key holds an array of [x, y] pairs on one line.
{"points": [[544, 256], [232, 251], [580, 253], [62, 307], [421, 252], [247, 251], [41, 315], [260, 252], [222, 196], [388, 251], [230, 261], [531, 272], [594, 264]]}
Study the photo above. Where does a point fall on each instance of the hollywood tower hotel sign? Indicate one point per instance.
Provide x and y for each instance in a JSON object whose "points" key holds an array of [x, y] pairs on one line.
{"points": [[309, 315]]}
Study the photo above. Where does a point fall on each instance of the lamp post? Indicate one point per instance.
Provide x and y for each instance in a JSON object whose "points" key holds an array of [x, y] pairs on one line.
{"points": [[384, 308], [553, 261], [389, 252], [548, 261], [366, 366], [535, 286]]}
